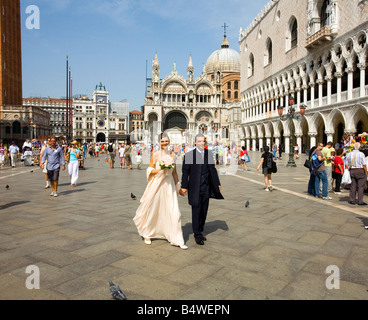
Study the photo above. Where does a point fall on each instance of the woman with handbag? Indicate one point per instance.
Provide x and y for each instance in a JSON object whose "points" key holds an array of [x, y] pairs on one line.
{"points": [[266, 163], [73, 165], [243, 155]]}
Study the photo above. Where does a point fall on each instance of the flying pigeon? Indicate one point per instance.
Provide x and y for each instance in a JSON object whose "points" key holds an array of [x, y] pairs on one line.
{"points": [[116, 292], [7, 187], [247, 204], [133, 196]]}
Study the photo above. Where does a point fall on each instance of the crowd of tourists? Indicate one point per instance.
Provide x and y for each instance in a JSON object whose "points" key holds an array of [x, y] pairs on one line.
{"points": [[333, 167], [341, 165]]}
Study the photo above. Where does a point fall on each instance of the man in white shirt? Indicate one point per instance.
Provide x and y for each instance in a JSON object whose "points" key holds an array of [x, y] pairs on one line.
{"points": [[14, 153], [121, 155]]}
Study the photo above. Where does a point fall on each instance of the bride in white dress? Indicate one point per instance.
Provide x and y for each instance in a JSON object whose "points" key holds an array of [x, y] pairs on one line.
{"points": [[158, 215]]}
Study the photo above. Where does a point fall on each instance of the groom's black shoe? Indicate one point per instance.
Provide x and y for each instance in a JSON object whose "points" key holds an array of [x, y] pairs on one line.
{"points": [[199, 240]]}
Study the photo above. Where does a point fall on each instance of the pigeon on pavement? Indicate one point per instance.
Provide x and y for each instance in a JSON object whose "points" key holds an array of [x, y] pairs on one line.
{"points": [[116, 292]]}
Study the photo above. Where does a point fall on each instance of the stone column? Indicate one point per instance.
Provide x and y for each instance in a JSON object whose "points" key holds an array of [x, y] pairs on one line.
{"points": [[320, 92], [312, 84], [350, 82], [287, 144], [272, 107], [313, 141], [299, 142], [254, 144], [248, 144], [338, 76], [305, 88], [328, 79], [362, 67]]}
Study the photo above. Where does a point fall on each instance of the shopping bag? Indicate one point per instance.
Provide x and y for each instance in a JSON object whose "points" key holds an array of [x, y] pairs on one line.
{"points": [[346, 179]]}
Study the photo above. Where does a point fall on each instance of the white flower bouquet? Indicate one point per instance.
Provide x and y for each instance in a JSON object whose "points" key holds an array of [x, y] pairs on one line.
{"points": [[167, 163]]}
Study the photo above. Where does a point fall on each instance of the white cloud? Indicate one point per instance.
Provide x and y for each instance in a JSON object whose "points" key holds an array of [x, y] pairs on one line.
{"points": [[209, 14]]}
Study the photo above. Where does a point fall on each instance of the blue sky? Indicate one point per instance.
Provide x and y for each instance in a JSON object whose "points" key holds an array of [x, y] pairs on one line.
{"points": [[109, 41]]}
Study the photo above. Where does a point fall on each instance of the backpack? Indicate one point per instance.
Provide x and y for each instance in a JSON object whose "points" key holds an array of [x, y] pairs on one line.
{"points": [[110, 148], [315, 162], [269, 163]]}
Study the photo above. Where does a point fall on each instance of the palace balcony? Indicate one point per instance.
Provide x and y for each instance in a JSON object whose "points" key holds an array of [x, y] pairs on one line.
{"points": [[321, 36]]}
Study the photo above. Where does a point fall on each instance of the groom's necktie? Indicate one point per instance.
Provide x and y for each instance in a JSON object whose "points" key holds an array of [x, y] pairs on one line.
{"points": [[202, 155]]}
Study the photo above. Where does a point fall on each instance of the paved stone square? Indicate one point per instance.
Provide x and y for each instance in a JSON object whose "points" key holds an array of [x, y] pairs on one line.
{"points": [[278, 248]]}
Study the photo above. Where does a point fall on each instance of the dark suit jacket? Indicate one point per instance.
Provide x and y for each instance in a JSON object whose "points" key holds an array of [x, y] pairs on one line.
{"points": [[191, 176]]}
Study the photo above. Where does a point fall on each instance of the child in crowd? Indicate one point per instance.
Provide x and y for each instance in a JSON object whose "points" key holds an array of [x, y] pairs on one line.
{"points": [[138, 159]]}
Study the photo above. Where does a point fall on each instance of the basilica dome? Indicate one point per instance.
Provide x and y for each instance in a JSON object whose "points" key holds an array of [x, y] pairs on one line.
{"points": [[224, 59]]}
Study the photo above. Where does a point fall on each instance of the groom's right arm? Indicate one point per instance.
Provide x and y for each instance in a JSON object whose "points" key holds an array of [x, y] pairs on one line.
{"points": [[186, 171]]}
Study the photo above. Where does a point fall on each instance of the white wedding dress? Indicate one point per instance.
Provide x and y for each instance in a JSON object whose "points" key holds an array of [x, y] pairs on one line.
{"points": [[158, 215]]}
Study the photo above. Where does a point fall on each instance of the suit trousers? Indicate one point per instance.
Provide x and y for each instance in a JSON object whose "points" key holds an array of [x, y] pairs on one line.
{"points": [[199, 215]]}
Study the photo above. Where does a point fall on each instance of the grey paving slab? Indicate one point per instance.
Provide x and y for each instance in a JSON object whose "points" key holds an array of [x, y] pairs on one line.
{"points": [[278, 248]]}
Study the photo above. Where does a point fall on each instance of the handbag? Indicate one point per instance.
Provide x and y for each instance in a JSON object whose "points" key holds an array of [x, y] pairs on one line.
{"points": [[274, 167], [67, 156], [246, 158], [307, 164]]}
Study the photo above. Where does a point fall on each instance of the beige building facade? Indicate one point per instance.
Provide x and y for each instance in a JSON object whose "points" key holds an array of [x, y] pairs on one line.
{"points": [[314, 51]]}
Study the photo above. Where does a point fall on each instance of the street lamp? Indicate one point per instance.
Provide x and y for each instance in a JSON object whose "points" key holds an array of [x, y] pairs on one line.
{"points": [[291, 115]]}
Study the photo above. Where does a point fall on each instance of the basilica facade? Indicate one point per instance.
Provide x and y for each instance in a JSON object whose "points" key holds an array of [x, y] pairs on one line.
{"points": [[314, 51], [185, 106]]}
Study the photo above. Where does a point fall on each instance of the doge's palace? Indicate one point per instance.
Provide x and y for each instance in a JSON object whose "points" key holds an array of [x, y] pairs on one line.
{"points": [[314, 51]]}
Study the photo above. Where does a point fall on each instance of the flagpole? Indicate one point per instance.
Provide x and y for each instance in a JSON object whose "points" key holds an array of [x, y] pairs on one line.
{"points": [[67, 99], [70, 107]]}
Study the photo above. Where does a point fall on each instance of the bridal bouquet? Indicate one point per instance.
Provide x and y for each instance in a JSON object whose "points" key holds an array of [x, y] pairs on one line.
{"points": [[167, 163]]}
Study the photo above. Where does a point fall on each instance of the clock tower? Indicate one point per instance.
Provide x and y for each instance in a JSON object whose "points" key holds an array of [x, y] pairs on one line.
{"points": [[100, 99]]}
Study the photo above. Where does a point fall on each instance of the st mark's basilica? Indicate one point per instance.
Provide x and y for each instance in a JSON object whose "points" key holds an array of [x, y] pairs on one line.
{"points": [[184, 106]]}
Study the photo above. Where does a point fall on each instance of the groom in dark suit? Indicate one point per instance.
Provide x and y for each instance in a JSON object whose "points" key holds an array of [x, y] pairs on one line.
{"points": [[201, 182]]}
